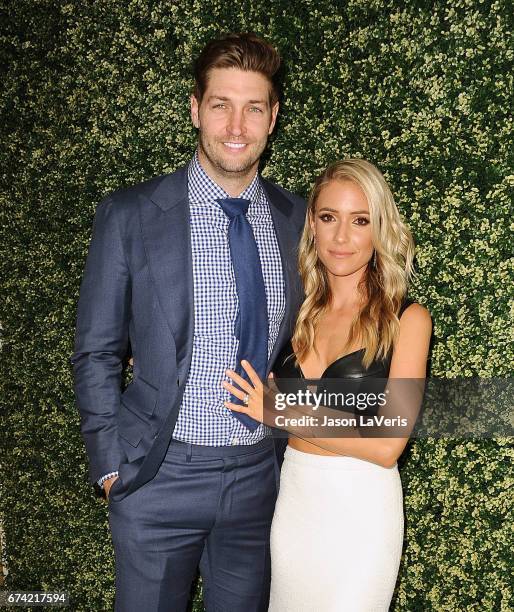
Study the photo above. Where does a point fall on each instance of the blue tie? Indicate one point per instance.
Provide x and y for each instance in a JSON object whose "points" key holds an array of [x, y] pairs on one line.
{"points": [[252, 321]]}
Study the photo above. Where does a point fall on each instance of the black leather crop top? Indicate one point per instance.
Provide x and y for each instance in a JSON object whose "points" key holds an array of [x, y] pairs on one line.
{"points": [[347, 366]]}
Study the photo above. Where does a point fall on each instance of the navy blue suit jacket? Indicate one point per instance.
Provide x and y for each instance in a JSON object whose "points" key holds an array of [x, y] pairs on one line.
{"points": [[138, 287]]}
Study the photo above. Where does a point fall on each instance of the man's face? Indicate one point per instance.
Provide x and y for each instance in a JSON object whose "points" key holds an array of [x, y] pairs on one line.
{"points": [[234, 120]]}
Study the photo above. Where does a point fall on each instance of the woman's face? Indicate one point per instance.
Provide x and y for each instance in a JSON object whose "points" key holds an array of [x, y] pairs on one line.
{"points": [[342, 228]]}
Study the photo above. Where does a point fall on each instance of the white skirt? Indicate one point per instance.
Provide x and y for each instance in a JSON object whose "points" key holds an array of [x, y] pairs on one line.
{"points": [[337, 535]]}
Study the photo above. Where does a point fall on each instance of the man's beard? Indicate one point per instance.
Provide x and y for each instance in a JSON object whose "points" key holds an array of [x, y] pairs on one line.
{"points": [[229, 167]]}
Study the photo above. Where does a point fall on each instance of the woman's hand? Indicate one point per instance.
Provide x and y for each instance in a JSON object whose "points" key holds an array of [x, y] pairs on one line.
{"points": [[250, 393]]}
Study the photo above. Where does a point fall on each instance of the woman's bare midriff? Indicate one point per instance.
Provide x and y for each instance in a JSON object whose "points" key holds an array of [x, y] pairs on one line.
{"points": [[308, 447]]}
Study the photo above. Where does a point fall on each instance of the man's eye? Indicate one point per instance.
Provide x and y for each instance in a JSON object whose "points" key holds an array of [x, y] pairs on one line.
{"points": [[255, 109], [220, 106]]}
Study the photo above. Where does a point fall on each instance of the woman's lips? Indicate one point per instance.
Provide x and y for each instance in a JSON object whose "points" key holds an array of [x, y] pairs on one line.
{"points": [[340, 254]]}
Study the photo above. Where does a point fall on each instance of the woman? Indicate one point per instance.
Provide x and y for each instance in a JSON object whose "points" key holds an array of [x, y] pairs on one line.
{"points": [[337, 531]]}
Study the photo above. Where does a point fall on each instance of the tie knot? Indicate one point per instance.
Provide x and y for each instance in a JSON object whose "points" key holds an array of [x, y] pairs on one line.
{"points": [[233, 207]]}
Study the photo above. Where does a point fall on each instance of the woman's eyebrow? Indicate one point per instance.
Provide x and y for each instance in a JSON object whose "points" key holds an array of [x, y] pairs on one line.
{"points": [[354, 212]]}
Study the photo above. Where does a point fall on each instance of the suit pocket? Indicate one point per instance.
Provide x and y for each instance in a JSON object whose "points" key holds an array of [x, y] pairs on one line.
{"points": [[136, 410], [130, 427], [140, 396]]}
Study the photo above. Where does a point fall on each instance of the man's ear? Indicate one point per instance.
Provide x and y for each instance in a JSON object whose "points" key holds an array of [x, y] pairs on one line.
{"points": [[274, 113], [195, 118]]}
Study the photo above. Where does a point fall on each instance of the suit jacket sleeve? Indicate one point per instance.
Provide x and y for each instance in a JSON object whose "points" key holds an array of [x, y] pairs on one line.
{"points": [[101, 341]]}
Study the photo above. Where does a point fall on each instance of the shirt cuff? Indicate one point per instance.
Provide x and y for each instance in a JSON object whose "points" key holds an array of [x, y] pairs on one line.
{"points": [[100, 481]]}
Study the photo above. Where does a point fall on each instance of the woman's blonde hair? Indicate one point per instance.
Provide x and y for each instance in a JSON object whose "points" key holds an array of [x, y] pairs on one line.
{"points": [[385, 282]]}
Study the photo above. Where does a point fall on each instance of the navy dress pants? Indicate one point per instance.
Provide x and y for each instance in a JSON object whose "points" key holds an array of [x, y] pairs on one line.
{"points": [[206, 506]]}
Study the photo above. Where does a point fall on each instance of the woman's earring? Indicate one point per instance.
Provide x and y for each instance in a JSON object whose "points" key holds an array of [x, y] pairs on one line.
{"points": [[374, 262]]}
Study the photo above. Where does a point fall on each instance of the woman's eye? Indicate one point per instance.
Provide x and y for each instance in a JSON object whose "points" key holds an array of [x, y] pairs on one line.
{"points": [[361, 221], [326, 217]]}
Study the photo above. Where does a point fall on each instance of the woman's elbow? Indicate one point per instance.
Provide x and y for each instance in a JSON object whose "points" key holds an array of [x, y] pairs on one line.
{"points": [[389, 463], [387, 457]]}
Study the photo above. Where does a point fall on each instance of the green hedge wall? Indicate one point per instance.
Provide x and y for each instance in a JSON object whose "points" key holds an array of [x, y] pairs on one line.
{"points": [[95, 96]]}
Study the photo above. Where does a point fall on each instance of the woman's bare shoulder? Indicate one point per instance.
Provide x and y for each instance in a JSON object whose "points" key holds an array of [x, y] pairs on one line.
{"points": [[416, 315]]}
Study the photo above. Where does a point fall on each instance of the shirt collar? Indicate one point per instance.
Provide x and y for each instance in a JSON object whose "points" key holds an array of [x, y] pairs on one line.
{"points": [[201, 188]]}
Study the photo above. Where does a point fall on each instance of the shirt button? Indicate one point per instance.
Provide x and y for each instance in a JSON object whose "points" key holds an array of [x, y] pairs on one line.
{"points": [[235, 441]]}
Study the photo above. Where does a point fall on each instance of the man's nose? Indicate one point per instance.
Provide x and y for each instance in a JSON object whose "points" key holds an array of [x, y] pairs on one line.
{"points": [[236, 123]]}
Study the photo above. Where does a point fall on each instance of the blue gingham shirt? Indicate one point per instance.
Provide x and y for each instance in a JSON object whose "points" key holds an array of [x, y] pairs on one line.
{"points": [[203, 419]]}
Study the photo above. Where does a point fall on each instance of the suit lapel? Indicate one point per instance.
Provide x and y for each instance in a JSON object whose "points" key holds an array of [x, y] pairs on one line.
{"points": [[166, 232], [167, 239], [287, 237]]}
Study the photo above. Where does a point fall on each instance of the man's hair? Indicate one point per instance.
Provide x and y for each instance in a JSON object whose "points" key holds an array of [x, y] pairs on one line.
{"points": [[244, 51]]}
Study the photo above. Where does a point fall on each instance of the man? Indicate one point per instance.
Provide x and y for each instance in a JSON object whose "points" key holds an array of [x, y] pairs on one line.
{"points": [[177, 268]]}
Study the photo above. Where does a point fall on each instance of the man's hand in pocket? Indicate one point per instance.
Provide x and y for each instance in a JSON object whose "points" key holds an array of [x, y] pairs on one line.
{"points": [[108, 484]]}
